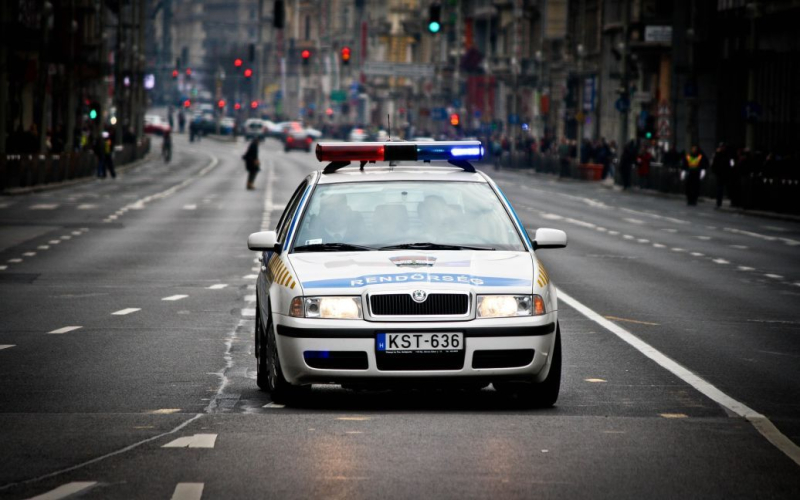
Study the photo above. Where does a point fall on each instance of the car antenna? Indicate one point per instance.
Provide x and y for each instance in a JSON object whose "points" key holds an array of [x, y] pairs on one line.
{"points": [[389, 125]]}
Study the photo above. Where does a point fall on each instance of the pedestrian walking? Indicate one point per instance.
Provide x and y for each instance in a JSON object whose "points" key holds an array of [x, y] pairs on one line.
{"points": [[721, 166], [99, 148], [251, 163], [108, 157], [695, 165], [181, 121]]}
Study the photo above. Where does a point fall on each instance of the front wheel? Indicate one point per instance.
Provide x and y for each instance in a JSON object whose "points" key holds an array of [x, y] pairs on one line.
{"points": [[279, 388], [543, 394]]}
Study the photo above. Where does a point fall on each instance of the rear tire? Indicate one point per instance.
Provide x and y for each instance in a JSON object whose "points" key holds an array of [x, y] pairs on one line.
{"points": [[538, 395]]}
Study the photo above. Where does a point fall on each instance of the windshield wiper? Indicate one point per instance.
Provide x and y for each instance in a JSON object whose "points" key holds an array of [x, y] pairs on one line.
{"points": [[332, 247], [426, 245]]}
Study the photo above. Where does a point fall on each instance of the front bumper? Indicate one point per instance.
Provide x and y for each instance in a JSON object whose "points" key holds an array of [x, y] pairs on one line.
{"points": [[296, 336]]}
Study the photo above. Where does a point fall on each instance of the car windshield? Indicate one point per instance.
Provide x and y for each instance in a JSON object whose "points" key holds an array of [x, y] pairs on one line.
{"points": [[421, 215]]}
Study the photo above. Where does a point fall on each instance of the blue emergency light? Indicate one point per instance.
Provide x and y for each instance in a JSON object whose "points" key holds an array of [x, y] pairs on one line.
{"points": [[400, 151]]}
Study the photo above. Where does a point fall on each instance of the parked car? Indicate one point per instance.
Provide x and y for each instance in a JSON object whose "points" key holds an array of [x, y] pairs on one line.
{"points": [[297, 138], [358, 135], [226, 125], [253, 127], [154, 124]]}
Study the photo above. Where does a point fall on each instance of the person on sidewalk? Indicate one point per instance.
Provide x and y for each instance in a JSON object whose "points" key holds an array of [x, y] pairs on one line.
{"points": [[626, 164], [251, 163], [695, 165], [721, 166]]}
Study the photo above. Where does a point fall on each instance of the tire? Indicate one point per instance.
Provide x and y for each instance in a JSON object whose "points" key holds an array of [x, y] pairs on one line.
{"points": [[279, 388], [261, 353], [543, 394]]}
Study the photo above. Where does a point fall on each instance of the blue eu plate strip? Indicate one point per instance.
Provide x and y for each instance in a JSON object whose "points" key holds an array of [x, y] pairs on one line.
{"points": [[381, 343]]}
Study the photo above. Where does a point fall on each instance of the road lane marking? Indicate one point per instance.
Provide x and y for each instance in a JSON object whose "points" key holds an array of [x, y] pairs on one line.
{"points": [[14, 261], [195, 441], [627, 236], [164, 411], [614, 318], [250, 298], [6, 346], [44, 206], [704, 238], [249, 313], [595, 380], [66, 237], [250, 277], [746, 268], [123, 312], [677, 249], [29, 254], [190, 207], [188, 491], [218, 286], [697, 254], [634, 221], [643, 240], [54, 242], [65, 329], [172, 298], [354, 419], [720, 261], [613, 233], [86, 206], [739, 247], [774, 276], [43, 247], [65, 490], [655, 216], [670, 230], [658, 245], [759, 421], [273, 406], [674, 415]]}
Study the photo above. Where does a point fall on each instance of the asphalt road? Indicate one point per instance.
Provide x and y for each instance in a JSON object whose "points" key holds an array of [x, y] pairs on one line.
{"points": [[127, 371]]}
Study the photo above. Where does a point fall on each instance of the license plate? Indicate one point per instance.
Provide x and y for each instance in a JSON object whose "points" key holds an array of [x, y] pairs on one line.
{"points": [[420, 342]]}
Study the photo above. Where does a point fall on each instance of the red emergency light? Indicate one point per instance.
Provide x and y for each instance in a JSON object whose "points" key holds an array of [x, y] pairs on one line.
{"points": [[399, 151]]}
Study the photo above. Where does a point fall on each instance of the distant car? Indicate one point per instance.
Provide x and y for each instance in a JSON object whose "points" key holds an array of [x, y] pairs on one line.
{"points": [[297, 138], [423, 139], [226, 125], [357, 135], [314, 133], [415, 274], [271, 129], [254, 127], [382, 136], [154, 124]]}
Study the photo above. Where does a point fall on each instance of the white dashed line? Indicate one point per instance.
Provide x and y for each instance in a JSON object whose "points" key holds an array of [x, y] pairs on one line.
{"points": [[273, 406], [697, 254], [175, 297], [774, 276], [739, 247], [65, 490], [249, 313], [3, 268], [76, 233], [218, 286], [627, 236], [634, 221], [613, 233], [762, 424], [29, 254], [720, 261], [66, 237], [43, 247], [188, 491], [44, 206], [123, 312], [745, 268], [65, 329], [86, 206], [6, 346], [255, 269], [196, 441], [54, 242], [14, 261], [190, 207], [658, 245], [676, 249], [601, 229], [670, 230], [643, 240], [250, 277], [704, 238], [250, 298]]}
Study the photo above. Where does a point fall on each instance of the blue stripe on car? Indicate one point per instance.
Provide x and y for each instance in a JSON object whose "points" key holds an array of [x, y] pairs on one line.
{"points": [[405, 278]]}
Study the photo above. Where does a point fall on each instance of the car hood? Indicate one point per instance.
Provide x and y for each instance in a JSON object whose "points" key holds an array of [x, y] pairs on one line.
{"points": [[357, 272]]}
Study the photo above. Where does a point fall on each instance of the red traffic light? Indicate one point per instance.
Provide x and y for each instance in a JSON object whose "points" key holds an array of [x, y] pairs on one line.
{"points": [[187, 103], [237, 106], [248, 73], [454, 119], [305, 54], [174, 73], [237, 62], [346, 54], [188, 71], [254, 104], [221, 103]]}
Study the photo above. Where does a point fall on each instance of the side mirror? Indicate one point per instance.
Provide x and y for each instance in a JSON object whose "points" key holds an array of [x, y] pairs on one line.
{"points": [[264, 241], [549, 238]]}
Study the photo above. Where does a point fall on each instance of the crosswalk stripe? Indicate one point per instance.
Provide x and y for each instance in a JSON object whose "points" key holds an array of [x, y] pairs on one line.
{"points": [[65, 490], [188, 491], [66, 329], [195, 441]]}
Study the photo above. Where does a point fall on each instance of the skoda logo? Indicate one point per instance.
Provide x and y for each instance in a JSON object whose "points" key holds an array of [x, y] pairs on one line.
{"points": [[419, 296]]}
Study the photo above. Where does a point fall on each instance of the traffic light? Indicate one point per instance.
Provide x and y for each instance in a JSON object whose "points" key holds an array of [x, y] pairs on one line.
{"points": [[306, 55], [189, 72], [455, 119], [345, 55], [94, 110], [254, 105], [435, 18], [278, 15], [221, 103], [174, 74], [187, 103], [237, 106], [237, 63], [248, 73]]}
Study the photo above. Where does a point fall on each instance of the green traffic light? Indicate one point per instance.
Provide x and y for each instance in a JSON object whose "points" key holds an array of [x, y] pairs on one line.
{"points": [[93, 114], [649, 135], [434, 27]]}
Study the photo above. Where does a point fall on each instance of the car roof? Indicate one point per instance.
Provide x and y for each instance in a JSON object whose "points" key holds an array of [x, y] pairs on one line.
{"points": [[406, 171]]}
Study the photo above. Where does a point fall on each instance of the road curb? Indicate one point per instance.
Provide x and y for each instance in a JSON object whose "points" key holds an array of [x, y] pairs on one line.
{"points": [[73, 182]]}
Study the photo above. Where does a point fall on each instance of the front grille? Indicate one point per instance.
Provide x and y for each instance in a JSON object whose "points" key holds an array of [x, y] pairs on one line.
{"points": [[437, 304]]}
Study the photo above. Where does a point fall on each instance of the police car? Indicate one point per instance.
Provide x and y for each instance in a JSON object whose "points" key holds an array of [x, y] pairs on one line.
{"points": [[399, 263]]}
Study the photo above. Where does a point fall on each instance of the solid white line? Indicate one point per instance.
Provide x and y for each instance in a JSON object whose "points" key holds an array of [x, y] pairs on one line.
{"points": [[65, 490], [175, 297], [66, 329], [6, 346], [218, 286], [123, 312], [195, 441], [759, 421], [188, 491]]}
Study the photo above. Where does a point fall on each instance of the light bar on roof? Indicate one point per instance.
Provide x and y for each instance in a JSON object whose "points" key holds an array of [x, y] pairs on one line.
{"points": [[399, 151]]}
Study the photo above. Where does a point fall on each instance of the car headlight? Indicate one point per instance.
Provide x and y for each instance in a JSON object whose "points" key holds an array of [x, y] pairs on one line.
{"points": [[326, 307], [505, 306]]}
